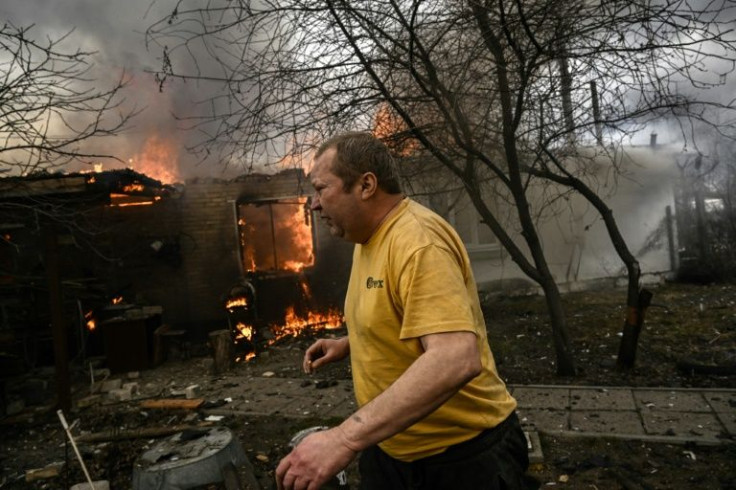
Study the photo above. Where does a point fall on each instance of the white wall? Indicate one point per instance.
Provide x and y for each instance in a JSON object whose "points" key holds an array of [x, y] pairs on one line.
{"points": [[574, 237]]}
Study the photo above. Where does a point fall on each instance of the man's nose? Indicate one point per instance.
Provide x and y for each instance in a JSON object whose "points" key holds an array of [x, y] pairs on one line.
{"points": [[315, 204]]}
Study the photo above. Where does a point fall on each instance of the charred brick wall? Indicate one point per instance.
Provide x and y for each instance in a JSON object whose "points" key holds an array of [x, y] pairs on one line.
{"points": [[198, 261], [210, 240]]}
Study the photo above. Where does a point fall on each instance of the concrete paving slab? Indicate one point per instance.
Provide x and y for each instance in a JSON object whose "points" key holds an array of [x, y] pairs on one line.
{"points": [[542, 397], [675, 416], [317, 402], [676, 401], [683, 424], [263, 406], [607, 422], [331, 396], [304, 407], [729, 423], [343, 410], [602, 399], [289, 397], [534, 447], [256, 395], [721, 401], [266, 397], [545, 419]]}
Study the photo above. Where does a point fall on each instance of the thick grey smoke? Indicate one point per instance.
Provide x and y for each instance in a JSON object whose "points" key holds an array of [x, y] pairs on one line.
{"points": [[115, 32]]}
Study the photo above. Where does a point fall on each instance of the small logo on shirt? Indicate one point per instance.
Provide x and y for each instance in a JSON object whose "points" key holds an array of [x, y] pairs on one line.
{"points": [[373, 283]]}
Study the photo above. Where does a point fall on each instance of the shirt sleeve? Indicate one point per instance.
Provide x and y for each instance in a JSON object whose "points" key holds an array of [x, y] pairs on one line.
{"points": [[434, 294]]}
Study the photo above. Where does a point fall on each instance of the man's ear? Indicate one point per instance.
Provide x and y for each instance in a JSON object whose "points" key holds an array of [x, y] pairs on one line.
{"points": [[368, 185]]}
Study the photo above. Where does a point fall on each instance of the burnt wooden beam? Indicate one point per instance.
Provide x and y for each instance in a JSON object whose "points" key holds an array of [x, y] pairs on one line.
{"points": [[58, 327]]}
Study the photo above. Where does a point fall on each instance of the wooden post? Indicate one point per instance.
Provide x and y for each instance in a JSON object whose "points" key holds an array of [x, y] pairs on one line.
{"points": [[58, 326], [222, 350]]}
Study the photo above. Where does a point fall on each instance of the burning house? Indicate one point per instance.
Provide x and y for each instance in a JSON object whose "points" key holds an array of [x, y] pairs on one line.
{"points": [[137, 258]]}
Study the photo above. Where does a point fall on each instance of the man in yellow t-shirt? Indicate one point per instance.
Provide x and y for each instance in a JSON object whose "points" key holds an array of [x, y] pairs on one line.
{"points": [[434, 413]]}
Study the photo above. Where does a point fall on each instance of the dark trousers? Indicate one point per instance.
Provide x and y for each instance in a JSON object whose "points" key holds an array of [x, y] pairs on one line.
{"points": [[496, 459]]}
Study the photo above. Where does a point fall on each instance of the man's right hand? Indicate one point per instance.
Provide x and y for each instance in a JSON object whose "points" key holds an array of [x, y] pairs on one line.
{"points": [[325, 351]]}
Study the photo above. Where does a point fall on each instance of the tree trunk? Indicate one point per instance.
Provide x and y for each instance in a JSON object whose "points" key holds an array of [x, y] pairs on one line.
{"points": [[635, 309], [541, 273], [636, 301], [560, 338]]}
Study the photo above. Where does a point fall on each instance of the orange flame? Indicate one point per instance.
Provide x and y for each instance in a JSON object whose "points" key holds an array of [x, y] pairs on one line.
{"points": [[135, 187], [294, 324], [117, 300], [276, 236], [119, 200], [158, 160], [128, 204], [91, 322], [301, 238], [387, 124], [247, 357], [245, 332], [236, 302]]}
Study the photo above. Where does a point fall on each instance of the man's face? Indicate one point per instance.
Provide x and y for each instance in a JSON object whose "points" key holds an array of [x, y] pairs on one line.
{"points": [[337, 207]]}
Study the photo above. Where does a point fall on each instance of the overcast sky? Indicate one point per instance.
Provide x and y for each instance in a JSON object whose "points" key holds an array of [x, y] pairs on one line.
{"points": [[115, 30]]}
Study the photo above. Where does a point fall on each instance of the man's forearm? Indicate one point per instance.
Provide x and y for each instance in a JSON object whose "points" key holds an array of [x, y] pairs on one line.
{"points": [[428, 383]]}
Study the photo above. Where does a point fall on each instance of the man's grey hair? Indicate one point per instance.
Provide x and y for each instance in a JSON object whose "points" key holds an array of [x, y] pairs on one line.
{"points": [[361, 152]]}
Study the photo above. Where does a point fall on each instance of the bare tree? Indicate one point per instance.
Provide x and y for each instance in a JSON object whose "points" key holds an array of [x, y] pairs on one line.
{"points": [[487, 90], [51, 112], [50, 107]]}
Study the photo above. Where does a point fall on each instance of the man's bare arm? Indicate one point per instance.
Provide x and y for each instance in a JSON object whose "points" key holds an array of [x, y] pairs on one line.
{"points": [[449, 361]]}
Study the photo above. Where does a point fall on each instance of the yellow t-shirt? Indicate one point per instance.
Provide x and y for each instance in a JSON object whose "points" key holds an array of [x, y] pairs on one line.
{"points": [[413, 278]]}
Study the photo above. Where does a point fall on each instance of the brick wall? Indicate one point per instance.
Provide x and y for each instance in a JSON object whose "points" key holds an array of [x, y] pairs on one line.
{"points": [[200, 221]]}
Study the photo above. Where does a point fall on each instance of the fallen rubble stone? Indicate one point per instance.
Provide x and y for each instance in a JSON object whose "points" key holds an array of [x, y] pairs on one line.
{"points": [[111, 384], [88, 401], [132, 387], [192, 391], [51, 470], [120, 395]]}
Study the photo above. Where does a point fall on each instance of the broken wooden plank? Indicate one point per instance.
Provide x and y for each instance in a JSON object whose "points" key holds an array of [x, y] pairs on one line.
{"points": [[173, 403], [49, 471], [144, 433]]}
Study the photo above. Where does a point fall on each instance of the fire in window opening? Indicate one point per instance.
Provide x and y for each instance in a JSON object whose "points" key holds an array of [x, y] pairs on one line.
{"points": [[276, 235]]}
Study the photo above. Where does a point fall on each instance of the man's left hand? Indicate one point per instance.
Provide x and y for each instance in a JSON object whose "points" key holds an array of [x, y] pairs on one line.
{"points": [[316, 459]]}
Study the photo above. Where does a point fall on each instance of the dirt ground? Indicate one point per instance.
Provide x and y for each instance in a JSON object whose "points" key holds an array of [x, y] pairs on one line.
{"points": [[692, 323]]}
